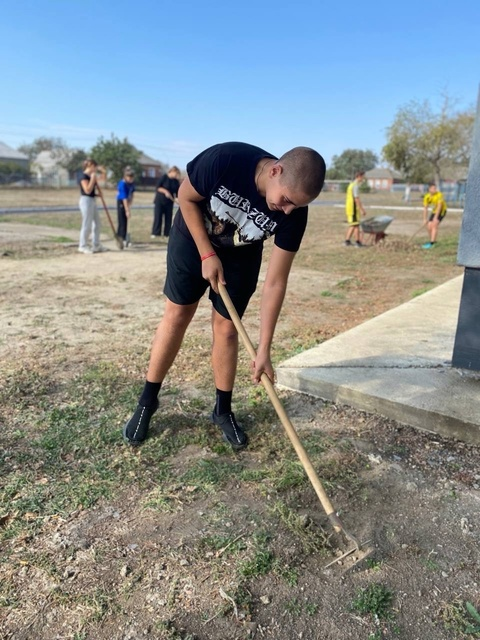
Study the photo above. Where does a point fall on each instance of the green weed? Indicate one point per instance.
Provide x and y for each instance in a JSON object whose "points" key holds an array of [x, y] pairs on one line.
{"points": [[293, 607], [208, 474], [287, 474], [374, 600], [311, 608], [373, 565], [259, 565], [59, 239], [289, 574], [462, 618], [231, 543], [420, 292], [262, 560]]}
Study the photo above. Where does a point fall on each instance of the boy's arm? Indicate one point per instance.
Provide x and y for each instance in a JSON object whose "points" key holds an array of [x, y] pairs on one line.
{"points": [[273, 294], [123, 196], [356, 198], [188, 199], [425, 210], [360, 206], [165, 192], [126, 204], [162, 189]]}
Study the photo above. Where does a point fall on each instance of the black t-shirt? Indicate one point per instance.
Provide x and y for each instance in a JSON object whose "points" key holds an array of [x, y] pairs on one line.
{"points": [[171, 184], [86, 177], [235, 214]]}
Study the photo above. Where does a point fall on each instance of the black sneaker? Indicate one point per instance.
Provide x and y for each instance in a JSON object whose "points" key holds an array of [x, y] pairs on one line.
{"points": [[347, 243], [232, 431], [136, 429]]}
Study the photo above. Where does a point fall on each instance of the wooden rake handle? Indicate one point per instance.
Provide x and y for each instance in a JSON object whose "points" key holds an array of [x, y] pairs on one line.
{"points": [[118, 240], [288, 426], [417, 231]]}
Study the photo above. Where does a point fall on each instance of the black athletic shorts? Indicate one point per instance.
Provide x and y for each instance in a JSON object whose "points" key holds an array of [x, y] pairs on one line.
{"points": [[184, 283], [440, 217]]}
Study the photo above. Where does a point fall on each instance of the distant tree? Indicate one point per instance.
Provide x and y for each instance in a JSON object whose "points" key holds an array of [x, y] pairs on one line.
{"points": [[345, 165], [43, 144], [13, 172], [115, 154], [73, 160], [425, 145]]}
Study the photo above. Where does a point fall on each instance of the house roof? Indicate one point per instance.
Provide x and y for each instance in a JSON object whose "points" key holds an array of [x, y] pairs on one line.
{"points": [[7, 152], [48, 159], [384, 172], [144, 159]]}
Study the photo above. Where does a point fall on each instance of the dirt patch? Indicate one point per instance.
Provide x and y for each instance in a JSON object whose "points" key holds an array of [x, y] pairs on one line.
{"points": [[191, 541]]}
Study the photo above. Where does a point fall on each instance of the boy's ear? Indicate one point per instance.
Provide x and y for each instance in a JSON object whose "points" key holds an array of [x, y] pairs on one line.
{"points": [[276, 170]]}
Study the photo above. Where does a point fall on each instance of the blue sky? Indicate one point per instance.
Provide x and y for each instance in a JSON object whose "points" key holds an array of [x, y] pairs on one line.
{"points": [[177, 77]]}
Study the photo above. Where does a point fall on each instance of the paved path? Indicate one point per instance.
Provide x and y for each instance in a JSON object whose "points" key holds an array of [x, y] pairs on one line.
{"points": [[397, 365]]}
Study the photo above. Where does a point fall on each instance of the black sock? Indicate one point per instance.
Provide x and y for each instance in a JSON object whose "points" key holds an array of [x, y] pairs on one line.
{"points": [[223, 402], [149, 394]]}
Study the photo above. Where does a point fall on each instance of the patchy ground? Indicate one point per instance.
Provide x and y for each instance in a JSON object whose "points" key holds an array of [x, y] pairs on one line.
{"points": [[183, 539]]}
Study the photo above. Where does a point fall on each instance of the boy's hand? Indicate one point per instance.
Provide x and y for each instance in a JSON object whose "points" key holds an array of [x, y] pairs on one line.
{"points": [[212, 270], [262, 365]]}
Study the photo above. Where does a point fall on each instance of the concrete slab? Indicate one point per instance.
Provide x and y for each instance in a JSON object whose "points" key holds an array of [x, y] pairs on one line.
{"points": [[397, 365]]}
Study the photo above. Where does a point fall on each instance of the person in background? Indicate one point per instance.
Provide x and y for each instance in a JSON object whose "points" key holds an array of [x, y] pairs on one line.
{"points": [[435, 200], [88, 207], [165, 194], [126, 188], [353, 207], [234, 198]]}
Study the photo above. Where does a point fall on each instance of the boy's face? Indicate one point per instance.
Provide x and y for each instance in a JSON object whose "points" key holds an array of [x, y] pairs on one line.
{"points": [[432, 188], [129, 178], [281, 197]]}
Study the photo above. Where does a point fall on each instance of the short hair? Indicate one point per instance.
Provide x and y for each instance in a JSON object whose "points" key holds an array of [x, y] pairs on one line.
{"points": [[174, 168], [432, 184], [128, 171], [359, 173], [304, 170]]}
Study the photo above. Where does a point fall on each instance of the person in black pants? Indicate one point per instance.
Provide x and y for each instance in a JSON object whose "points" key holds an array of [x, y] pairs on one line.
{"points": [[126, 188], [165, 194]]}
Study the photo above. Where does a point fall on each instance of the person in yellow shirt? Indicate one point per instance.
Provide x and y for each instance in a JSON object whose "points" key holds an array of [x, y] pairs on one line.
{"points": [[438, 210], [353, 208]]}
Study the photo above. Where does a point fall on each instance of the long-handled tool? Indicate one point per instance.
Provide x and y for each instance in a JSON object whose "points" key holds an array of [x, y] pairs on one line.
{"points": [[288, 426], [417, 231], [118, 240]]}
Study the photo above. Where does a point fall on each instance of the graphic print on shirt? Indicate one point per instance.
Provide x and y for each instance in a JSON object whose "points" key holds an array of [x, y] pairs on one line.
{"points": [[232, 221]]}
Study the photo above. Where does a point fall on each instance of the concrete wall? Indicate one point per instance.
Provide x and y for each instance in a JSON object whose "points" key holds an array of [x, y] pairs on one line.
{"points": [[469, 246]]}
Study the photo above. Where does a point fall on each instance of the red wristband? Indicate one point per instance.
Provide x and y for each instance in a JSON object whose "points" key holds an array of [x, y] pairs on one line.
{"points": [[208, 255]]}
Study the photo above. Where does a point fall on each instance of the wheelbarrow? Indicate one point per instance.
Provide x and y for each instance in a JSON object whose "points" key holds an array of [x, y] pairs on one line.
{"points": [[375, 227]]}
